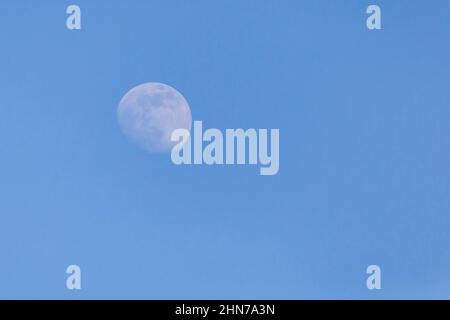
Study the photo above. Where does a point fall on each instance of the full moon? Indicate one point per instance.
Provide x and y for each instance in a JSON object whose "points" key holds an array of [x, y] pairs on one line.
{"points": [[150, 112]]}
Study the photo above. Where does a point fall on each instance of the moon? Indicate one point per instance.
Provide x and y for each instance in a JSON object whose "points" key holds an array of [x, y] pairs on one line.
{"points": [[150, 112]]}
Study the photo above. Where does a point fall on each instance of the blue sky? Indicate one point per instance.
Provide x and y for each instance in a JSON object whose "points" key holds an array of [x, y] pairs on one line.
{"points": [[364, 150]]}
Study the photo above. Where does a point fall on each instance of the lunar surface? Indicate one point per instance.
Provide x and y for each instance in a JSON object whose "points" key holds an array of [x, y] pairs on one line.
{"points": [[150, 112]]}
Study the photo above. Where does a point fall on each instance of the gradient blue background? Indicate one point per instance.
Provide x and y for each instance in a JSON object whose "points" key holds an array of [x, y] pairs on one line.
{"points": [[364, 166]]}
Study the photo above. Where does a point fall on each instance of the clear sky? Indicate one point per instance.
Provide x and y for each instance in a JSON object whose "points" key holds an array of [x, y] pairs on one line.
{"points": [[364, 150]]}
